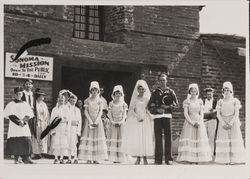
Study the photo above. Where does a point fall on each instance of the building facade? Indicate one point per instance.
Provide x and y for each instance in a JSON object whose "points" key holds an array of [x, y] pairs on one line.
{"points": [[121, 45]]}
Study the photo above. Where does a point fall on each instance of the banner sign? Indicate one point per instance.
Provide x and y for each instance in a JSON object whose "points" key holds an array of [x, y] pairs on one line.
{"points": [[29, 66]]}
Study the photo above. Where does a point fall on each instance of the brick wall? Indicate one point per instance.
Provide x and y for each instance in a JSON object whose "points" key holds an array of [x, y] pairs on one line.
{"points": [[221, 63]]}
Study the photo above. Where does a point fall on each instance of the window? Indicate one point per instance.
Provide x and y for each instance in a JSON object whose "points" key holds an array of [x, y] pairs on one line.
{"points": [[87, 22]]}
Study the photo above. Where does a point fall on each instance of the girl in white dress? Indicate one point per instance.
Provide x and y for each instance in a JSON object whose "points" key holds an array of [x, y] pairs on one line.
{"points": [[75, 129], [93, 146], [229, 142], [117, 115], [137, 137], [59, 143], [193, 144]]}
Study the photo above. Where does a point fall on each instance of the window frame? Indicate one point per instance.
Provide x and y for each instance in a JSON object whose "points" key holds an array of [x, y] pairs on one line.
{"points": [[87, 22]]}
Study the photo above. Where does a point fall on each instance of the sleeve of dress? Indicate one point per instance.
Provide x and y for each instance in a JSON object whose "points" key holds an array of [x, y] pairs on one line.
{"points": [[218, 108], [110, 112], [237, 107], [131, 111], [201, 111], [124, 115], [185, 106], [79, 119], [86, 111]]}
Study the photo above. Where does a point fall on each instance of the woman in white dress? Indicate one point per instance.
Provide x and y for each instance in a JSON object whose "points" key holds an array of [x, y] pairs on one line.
{"points": [[229, 142], [137, 137], [59, 143], [93, 147], [193, 144], [117, 115], [42, 119]]}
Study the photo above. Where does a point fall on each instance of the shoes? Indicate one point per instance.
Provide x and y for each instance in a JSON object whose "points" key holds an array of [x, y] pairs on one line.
{"points": [[75, 161], [18, 161], [137, 162], [157, 163], [36, 157], [56, 161], [95, 162], [169, 162], [145, 161], [27, 160], [69, 161], [61, 161], [89, 162]]}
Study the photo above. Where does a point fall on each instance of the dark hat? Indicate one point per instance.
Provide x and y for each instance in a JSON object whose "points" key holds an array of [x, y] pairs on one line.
{"points": [[28, 81], [18, 89], [39, 91], [209, 89]]}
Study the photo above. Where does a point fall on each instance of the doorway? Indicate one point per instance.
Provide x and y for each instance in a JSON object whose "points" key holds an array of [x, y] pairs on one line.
{"points": [[78, 80]]}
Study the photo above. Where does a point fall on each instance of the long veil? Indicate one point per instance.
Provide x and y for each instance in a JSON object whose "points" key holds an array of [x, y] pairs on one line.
{"points": [[135, 93]]}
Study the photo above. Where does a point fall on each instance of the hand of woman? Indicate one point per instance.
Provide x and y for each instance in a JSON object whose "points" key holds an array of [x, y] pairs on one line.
{"points": [[117, 125], [140, 120], [196, 124], [225, 127], [21, 123]]}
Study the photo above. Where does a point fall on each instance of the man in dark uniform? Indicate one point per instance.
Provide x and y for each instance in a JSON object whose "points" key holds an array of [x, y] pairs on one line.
{"points": [[162, 100], [210, 119]]}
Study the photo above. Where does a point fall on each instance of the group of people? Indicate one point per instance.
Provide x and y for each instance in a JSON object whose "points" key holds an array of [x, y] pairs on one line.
{"points": [[95, 131]]}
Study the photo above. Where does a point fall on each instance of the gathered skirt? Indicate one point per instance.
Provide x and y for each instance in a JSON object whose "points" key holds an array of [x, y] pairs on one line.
{"points": [[93, 143], [137, 137], [114, 143], [194, 144], [229, 144]]}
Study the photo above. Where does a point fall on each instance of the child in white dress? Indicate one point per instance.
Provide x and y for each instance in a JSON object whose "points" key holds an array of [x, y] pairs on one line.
{"points": [[117, 115], [229, 142], [193, 144], [75, 129], [59, 143], [93, 146]]}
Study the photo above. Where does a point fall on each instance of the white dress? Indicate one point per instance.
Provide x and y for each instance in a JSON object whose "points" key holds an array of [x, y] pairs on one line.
{"points": [[229, 143], [93, 142], [41, 146], [193, 143], [114, 137], [137, 137], [75, 129], [60, 143]]}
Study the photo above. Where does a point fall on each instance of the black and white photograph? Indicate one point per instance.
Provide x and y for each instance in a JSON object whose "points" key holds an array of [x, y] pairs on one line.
{"points": [[114, 89]]}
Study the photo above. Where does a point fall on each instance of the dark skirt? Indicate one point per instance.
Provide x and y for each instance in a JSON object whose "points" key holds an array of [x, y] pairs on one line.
{"points": [[18, 146]]}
